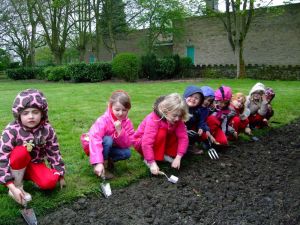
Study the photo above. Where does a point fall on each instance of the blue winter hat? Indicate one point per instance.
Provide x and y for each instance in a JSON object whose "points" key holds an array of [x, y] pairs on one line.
{"points": [[208, 91], [190, 90]]}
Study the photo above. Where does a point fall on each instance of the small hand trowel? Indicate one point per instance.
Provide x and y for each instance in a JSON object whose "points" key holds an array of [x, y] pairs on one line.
{"points": [[173, 179], [28, 215], [105, 188]]}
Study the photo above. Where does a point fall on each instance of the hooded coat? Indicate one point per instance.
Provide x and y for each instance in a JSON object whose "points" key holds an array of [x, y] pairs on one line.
{"points": [[145, 135], [43, 136], [194, 122], [104, 126], [261, 106]]}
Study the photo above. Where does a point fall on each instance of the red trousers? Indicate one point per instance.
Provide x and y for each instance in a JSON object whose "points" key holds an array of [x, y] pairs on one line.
{"points": [[165, 144], [216, 131], [238, 124], [44, 177], [256, 120]]}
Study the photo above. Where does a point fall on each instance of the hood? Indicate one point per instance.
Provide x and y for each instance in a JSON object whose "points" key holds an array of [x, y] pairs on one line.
{"points": [[30, 98], [208, 91], [270, 93], [257, 87], [190, 90]]}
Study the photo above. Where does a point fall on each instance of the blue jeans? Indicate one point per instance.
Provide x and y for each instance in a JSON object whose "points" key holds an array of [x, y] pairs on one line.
{"points": [[114, 152]]}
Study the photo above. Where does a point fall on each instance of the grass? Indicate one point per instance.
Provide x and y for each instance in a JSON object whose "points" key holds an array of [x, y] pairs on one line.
{"points": [[74, 107]]}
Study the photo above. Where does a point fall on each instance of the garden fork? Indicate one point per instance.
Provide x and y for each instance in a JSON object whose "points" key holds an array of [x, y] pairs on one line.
{"points": [[211, 151]]}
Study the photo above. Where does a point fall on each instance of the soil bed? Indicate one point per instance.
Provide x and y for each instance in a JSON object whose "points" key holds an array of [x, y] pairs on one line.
{"points": [[252, 183]]}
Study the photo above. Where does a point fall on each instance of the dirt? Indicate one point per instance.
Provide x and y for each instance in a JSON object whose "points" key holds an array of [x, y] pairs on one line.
{"points": [[252, 183]]}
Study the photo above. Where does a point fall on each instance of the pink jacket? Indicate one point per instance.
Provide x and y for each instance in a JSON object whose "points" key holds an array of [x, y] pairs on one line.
{"points": [[104, 126], [144, 137]]}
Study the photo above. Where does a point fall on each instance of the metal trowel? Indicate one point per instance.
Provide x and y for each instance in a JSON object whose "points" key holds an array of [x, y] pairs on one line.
{"points": [[28, 215], [173, 179], [105, 188]]}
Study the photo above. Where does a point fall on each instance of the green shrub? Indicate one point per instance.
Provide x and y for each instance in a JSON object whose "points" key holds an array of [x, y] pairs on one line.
{"points": [[79, 72], [186, 64], [23, 73], [126, 66], [99, 71], [107, 70], [58, 73], [149, 64], [166, 68]]}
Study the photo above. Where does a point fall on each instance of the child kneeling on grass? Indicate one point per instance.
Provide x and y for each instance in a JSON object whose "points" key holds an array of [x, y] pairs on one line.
{"points": [[26, 143], [111, 136], [162, 135]]}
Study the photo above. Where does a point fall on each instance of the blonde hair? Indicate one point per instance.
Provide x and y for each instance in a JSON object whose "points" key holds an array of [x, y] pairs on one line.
{"points": [[174, 102], [239, 95], [122, 97]]}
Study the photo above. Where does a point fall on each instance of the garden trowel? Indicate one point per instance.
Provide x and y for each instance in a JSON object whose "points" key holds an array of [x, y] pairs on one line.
{"points": [[105, 188], [173, 179], [28, 215]]}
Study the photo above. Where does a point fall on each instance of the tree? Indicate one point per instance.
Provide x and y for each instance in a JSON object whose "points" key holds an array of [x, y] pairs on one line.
{"points": [[237, 20], [81, 32], [113, 23], [54, 18], [157, 17], [19, 25], [4, 59]]}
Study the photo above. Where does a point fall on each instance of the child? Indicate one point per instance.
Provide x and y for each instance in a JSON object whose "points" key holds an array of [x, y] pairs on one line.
{"points": [[258, 105], [218, 121], [193, 97], [110, 137], [26, 143], [162, 134], [204, 131], [270, 95], [238, 117]]}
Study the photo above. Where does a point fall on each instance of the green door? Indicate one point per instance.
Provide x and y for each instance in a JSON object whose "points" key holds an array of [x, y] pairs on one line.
{"points": [[92, 59], [190, 52]]}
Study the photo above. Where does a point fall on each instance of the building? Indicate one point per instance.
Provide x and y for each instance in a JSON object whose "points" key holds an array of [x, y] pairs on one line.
{"points": [[273, 39]]}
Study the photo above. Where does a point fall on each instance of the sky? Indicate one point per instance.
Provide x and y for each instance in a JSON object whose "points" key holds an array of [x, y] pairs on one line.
{"points": [[262, 3]]}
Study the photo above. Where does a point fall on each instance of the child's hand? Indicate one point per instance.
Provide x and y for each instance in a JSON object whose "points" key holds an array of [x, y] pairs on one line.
{"points": [[213, 140], [176, 162], [235, 135], [200, 131], [248, 131], [18, 195], [99, 169], [62, 182], [154, 168], [118, 126]]}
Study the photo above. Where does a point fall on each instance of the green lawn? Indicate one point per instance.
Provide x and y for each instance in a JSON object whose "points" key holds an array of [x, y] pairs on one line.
{"points": [[74, 107]]}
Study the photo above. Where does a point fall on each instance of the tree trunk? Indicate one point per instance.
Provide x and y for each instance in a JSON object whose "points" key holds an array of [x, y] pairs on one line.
{"points": [[242, 68]]}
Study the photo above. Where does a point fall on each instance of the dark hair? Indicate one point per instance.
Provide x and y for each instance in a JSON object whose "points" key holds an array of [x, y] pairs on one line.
{"points": [[120, 96]]}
